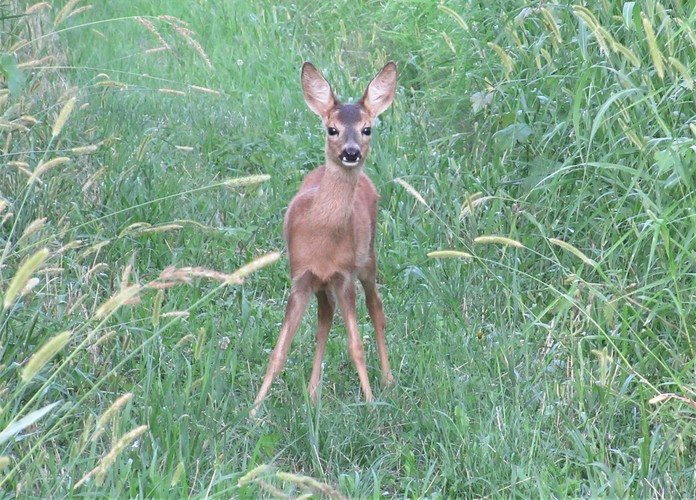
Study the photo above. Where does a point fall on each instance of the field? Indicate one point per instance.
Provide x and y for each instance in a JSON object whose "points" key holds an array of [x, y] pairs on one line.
{"points": [[536, 242]]}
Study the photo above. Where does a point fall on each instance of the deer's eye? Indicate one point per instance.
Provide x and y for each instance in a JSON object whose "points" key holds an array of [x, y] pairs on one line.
{"points": [[367, 131], [332, 130]]}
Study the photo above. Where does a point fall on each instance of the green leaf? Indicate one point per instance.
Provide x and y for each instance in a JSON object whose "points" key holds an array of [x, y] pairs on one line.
{"points": [[14, 77], [512, 135], [480, 100], [24, 422], [664, 161]]}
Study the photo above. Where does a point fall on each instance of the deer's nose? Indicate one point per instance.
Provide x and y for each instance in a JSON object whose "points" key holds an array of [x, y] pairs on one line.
{"points": [[350, 155]]}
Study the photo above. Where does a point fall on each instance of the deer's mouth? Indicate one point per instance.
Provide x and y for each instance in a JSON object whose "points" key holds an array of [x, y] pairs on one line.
{"points": [[349, 164]]}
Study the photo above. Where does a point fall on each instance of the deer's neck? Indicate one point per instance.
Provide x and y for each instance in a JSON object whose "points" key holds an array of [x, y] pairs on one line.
{"points": [[333, 202]]}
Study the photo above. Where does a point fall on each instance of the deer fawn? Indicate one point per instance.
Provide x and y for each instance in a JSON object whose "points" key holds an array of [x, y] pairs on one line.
{"points": [[330, 230]]}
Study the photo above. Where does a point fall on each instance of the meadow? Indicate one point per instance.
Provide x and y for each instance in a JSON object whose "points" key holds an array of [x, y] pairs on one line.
{"points": [[536, 243]]}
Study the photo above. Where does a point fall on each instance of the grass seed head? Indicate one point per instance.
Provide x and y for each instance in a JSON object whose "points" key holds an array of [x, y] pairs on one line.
{"points": [[126, 295], [44, 355], [245, 181], [151, 28], [65, 12], [84, 150], [204, 89], [170, 91], [683, 71], [253, 474], [32, 228], [253, 266], [39, 6], [43, 167], [108, 460], [28, 120], [188, 35], [31, 284], [552, 25], [570, 248], [412, 191], [621, 49], [450, 253], [505, 59], [114, 409], [157, 307], [653, 48], [501, 240], [178, 472], [23, 167], [310, 483], [21, 277], [63, 116], [34, 63], [472, 203]]}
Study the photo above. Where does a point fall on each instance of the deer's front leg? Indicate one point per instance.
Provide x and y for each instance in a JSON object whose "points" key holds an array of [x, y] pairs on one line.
{"points": [[297, 304], [325, 313]]}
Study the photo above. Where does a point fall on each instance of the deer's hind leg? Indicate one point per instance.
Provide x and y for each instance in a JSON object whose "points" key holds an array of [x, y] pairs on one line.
{"points": [[345, 296], [379, 320]]}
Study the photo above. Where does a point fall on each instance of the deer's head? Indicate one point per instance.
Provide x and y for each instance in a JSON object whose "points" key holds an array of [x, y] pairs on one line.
{"points": [[348, 126]]}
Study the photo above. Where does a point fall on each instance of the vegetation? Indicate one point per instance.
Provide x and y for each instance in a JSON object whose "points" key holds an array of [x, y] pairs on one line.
{"points": [[537, 246]]}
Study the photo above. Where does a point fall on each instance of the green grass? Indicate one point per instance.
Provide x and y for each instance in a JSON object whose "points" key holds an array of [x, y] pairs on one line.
{"points": [[562, 366]]}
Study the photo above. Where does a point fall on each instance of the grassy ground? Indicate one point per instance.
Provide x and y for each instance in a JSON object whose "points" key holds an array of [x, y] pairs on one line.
{"points": [[558, 360]]}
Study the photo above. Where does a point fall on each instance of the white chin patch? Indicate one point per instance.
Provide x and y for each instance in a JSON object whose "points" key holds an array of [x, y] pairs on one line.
{"points": [[350, 163]]}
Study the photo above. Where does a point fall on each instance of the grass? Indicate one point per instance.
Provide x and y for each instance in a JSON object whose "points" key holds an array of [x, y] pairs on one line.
{"points": [[146, 159]]}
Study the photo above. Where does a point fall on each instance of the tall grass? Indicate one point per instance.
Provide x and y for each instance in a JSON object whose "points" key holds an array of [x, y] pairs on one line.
{"points": [[56, 274], [537, 247]]}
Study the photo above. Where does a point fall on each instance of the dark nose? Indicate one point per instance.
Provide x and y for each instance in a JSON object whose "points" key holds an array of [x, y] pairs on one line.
{"points": [[350, 155]]}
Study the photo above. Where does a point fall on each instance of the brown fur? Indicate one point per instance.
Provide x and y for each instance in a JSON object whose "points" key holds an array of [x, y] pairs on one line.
{"points": [[330, 230]]}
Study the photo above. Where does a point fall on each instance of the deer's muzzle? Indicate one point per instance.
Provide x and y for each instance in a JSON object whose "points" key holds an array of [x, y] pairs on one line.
{"points": [[350, 156]]}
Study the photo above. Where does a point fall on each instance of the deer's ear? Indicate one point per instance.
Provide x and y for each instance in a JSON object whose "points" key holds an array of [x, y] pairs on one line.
{"points": [[317, 91], [380, 93]]}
